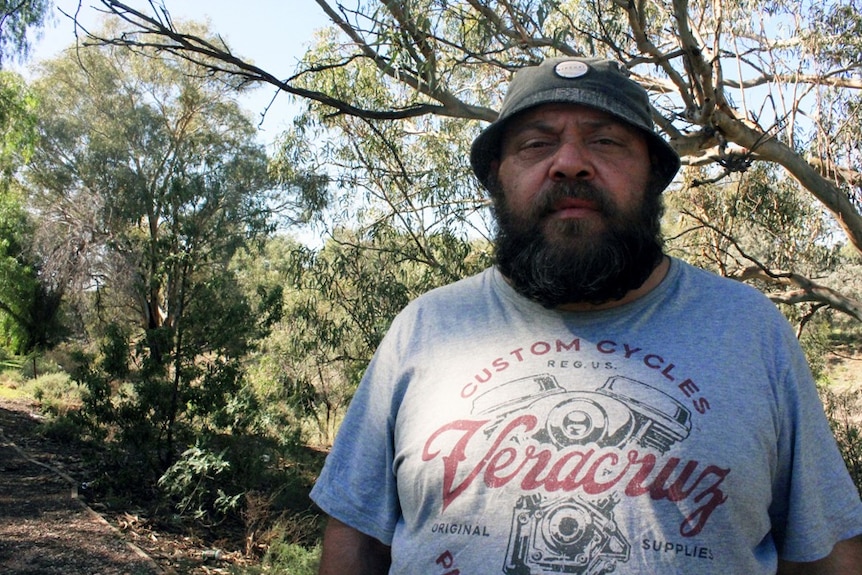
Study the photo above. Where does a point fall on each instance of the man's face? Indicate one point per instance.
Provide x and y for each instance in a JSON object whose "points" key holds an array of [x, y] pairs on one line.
{"points": [[577, 220]]}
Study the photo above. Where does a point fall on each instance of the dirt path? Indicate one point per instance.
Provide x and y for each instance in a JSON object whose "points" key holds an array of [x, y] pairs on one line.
{"points": [[44, 527]]}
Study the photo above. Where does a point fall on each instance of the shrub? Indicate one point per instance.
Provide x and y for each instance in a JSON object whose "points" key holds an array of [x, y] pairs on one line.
{"points": [[57, 393], [291, 558], [195, 482], [845, 418], [11, 373], [292, 546], [61, 428], [36, 365]]}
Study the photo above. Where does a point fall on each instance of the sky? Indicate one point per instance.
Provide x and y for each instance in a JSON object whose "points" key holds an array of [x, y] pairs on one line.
{"points": [[272, 33]]}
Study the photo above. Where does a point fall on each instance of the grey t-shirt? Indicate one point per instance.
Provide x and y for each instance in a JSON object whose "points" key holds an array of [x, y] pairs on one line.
{"points": [[680, 433]]}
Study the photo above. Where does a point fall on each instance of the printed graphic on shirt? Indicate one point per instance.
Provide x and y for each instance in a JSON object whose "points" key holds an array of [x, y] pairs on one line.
{"points": [[621, 412], [574, 455], [564, 535]]}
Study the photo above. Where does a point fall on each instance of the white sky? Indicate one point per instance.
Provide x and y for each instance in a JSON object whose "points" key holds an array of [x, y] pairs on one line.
{"points": [[272, 33]]}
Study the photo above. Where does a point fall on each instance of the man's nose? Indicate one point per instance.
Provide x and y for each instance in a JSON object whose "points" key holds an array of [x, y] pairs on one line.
{"points": [[571, 162]]}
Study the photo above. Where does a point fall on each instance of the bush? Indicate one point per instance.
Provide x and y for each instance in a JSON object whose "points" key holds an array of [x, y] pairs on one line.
{"points": [[844, 411], [288, 547], [194, 482], [36, 365], [11, 382], [57, 393], [291, 558], [61, 428]]}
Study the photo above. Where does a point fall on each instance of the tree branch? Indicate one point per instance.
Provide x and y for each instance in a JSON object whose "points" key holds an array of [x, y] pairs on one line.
{"points": [[835, 172], [808, 291], [219, 59], [771, 149]]}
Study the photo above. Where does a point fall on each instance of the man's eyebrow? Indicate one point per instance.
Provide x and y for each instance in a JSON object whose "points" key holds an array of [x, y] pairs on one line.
{"points": [[546, 126], [537, 124]]}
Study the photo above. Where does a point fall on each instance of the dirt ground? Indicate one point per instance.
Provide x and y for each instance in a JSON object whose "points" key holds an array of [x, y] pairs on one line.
{"points": [[47, 526]]}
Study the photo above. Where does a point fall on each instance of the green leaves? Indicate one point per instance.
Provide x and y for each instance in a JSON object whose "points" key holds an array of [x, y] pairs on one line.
{"points": [[29, 301], [148, 180], [339, 301], [18, 17], [194, 481]]}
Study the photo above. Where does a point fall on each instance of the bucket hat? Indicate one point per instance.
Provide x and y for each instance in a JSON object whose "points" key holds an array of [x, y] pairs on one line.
{"points": [[600, 84]]}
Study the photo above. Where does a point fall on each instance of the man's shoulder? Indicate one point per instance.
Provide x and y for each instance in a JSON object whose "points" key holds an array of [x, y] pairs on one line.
{"points": [[470, 286], [714, 289], [466, 296], [694, 274], [444, 308]]}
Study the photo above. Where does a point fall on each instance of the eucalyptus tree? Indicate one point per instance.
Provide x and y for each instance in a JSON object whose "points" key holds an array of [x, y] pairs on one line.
{"points": [[29, 305], [147, 179], [29, 300], [734, 83], [338, 302], [18, 21]]}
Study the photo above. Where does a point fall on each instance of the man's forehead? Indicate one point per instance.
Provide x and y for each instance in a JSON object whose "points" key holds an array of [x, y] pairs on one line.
{"points": [[552, 114]]}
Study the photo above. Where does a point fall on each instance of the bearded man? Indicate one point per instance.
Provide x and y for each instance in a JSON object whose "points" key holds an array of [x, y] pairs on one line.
{"points": [[588, 405]]}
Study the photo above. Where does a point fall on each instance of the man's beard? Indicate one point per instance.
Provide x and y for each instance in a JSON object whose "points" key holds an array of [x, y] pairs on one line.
{"points": [[558, 262]]}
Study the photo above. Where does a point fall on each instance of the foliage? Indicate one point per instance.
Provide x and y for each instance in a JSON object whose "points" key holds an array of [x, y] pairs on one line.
{"points": [[36, 377], [842, 409], [755, 217], [339, 302], [395, 90], [197, 480], [17, 18], [153, 175], [285, 557], [17, 124], [146, 181], [155, 178], [148, 412], [17, 278], [292, 545], [385, 176], [54, 392], [243, 468], [29, 305], [758, 227]]}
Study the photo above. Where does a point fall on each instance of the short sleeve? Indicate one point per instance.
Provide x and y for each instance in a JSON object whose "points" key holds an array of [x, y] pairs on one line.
{"points": [[815, 502]]}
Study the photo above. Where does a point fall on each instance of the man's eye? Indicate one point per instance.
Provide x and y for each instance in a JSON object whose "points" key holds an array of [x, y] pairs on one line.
{"points": [[533, 144], [607, 142]]}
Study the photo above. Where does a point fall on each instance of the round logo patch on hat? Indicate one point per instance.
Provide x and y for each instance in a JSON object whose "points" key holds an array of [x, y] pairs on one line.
{"points": [[571, 69]]}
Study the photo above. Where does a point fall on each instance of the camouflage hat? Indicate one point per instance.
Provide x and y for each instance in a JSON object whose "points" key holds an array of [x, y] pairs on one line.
{"points": [[600, 84]]}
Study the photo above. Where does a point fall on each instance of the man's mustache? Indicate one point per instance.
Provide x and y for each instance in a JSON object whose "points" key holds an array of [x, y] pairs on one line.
{"points": [[548, 201]]}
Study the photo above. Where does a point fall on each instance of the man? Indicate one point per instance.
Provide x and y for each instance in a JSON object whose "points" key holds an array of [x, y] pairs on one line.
{"points": [[588, 405]]}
